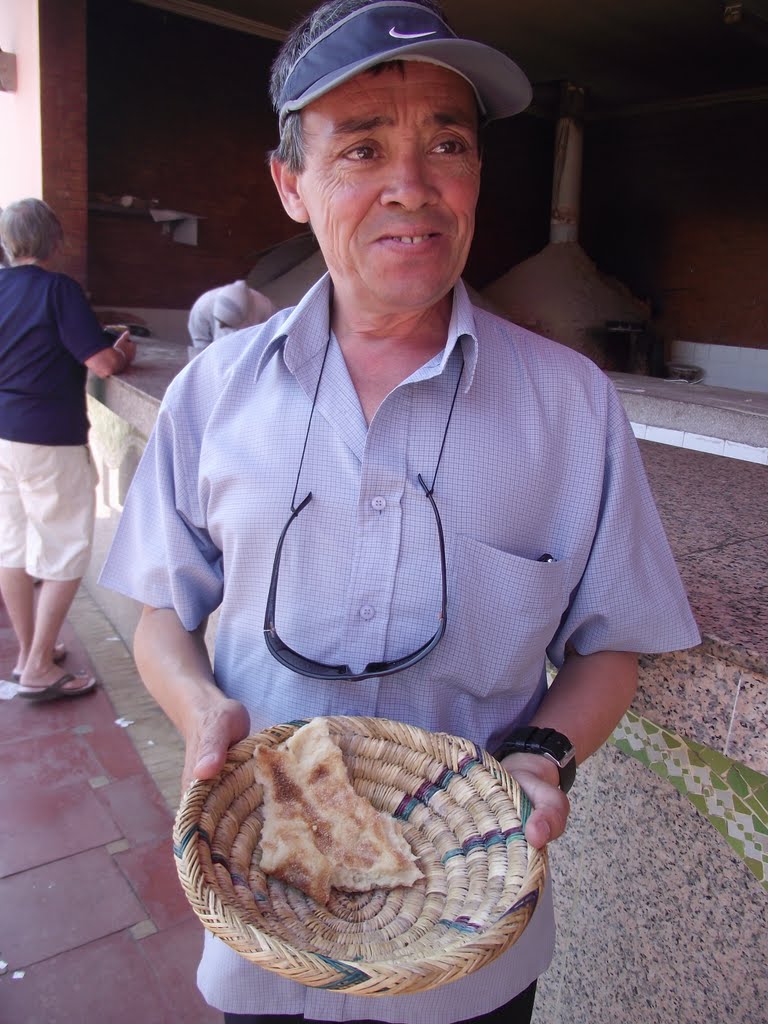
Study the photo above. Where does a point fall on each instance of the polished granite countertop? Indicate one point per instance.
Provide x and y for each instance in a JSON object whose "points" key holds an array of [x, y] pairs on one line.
{"points": [[715, 513], [714, 509]]}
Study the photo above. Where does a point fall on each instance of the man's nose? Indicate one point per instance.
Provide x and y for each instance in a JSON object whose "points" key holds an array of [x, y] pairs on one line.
{"points": [[409, 182]]}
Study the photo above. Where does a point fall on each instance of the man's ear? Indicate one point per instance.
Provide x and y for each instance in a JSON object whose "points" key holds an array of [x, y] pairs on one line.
{"points": [[287, 185]]}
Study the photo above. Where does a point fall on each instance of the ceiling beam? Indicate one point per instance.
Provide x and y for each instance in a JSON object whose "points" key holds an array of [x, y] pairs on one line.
{"points": [[713, 99], [224, 19]]}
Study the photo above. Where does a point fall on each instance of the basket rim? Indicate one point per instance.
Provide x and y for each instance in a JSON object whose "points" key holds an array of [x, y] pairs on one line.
{"points": [[223, 918]]}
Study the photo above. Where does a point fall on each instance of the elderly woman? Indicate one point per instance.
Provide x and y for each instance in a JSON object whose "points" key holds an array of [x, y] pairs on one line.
{"points": [[49, 338]]}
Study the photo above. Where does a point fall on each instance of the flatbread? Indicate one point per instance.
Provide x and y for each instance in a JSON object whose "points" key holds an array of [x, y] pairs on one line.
{"points": [[318, 833]]}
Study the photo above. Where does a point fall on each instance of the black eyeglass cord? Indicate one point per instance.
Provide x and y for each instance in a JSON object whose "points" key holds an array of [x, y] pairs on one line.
{"points": [[309, 424], [445, 432], [428, 491]]}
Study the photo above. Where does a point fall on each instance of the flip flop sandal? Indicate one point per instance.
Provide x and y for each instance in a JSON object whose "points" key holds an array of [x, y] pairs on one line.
{"points": [[59, 654], [58, 690]]}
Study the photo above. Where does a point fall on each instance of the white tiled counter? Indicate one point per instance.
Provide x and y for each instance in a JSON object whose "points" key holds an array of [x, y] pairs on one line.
{"points": [[716, 420], [727, 366]]}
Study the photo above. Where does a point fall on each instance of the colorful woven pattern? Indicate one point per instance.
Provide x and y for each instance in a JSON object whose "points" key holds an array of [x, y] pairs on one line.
{"points": [[731, 796], [463, 818]]}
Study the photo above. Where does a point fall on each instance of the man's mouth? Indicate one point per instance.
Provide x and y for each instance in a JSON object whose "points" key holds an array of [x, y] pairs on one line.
{"points": [[410, 239]]}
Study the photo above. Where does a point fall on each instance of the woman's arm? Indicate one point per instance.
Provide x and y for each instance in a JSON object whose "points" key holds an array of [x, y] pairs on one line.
{"points": [[114, 358]]}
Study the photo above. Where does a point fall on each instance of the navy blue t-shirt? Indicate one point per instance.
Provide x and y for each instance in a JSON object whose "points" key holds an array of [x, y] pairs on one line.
{"points": [[47, 331]]}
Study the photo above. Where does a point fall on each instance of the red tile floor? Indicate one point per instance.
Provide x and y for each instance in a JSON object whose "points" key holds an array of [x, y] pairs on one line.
{"points": [[94, 927]]}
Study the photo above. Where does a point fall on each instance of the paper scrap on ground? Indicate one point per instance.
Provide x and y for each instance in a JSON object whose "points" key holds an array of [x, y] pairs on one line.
{"points": [[8, 689], [123, 722]]}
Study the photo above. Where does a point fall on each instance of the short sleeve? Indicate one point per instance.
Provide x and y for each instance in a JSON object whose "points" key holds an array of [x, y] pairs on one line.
{"points": [[162, 554], [78, 328], [630, 596]]}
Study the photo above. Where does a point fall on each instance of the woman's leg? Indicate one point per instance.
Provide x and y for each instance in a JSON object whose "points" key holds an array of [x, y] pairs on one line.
{"points": [[54, 602], [18, 592], [16, 585], [59, 502]]}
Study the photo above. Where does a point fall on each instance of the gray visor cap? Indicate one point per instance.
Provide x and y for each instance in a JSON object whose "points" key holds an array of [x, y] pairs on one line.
{"points": [[384, 32]]}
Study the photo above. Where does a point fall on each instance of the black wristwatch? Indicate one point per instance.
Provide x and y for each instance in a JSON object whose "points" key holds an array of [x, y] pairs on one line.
{"points": [[550, 744]]}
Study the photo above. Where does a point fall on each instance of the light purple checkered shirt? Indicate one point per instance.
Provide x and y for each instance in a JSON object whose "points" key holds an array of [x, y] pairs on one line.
{"points": [[539, 458]]}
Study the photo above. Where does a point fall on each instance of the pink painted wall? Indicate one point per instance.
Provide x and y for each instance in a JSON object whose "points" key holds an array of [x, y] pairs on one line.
{"points": [[21, 162]]}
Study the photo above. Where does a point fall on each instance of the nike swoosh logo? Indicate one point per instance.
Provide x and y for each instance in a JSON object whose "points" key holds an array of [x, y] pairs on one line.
{"points": [[409, 35]]}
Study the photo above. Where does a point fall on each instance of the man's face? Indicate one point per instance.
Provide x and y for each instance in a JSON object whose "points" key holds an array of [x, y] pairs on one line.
{"points": [[390, 185]]}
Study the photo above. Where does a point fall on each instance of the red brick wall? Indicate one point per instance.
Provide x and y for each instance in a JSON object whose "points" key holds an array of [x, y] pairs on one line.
{"points": [[676, 205], [178, 112], [63, 126]]}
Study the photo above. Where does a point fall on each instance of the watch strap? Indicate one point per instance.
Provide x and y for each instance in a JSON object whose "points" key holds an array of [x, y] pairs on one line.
{"points": [[548, 743]]}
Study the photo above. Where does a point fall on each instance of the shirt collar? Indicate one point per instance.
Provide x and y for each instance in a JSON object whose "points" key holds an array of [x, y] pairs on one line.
{"points": [[304, 333], [462, 328]]}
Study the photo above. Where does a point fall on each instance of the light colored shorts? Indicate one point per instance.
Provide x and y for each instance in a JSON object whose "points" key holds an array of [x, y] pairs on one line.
{"points": [[47, 509]]}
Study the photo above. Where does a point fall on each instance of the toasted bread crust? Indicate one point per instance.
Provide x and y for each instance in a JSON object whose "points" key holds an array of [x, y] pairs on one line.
{"points": [[318, 833]]}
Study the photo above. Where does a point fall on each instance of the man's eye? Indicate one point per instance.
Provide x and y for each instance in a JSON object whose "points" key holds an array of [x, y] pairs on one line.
{"points": [[360, 153], [450, 146]]}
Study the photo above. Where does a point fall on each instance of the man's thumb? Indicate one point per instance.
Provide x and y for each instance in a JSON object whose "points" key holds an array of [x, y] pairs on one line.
{"points": [[208, 764]]}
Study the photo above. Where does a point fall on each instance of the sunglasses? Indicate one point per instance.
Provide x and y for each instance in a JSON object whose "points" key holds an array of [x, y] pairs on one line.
{"points": [[286, 655], [304, 666]]}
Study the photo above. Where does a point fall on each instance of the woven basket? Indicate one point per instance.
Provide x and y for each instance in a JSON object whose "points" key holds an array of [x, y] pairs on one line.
{"points": [[462, 815]]}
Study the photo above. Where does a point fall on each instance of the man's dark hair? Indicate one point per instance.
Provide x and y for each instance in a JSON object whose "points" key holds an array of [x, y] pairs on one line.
{"points": [[290, 150]]}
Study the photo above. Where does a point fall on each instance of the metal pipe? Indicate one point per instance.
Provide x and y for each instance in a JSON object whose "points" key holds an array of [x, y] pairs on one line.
{"points": [[566, 174]]}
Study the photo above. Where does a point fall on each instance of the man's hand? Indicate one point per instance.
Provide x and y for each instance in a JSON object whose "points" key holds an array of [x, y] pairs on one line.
{"points": [[539, 779], [588, 697], [176, 669], [209, 735]]}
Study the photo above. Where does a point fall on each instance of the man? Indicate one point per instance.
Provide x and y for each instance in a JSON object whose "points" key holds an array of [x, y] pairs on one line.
{"points": [[383, 405]]}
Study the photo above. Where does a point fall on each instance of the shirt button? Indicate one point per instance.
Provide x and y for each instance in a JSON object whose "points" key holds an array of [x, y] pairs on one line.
{"points": [[378, 503], [367, 612]]}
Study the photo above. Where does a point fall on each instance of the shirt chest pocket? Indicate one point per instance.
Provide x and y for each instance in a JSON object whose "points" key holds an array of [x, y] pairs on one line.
{"points": [[503, 612]]}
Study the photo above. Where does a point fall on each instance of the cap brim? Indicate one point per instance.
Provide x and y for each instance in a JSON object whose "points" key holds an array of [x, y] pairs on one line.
{"points": [[501, 87]]}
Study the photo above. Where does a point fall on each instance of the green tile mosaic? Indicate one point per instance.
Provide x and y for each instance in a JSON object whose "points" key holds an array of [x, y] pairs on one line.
{"points": [[698, 802], [718, 762], [731, 796], [757, 867], [754, 780], [737, 782], [738, 846]]}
